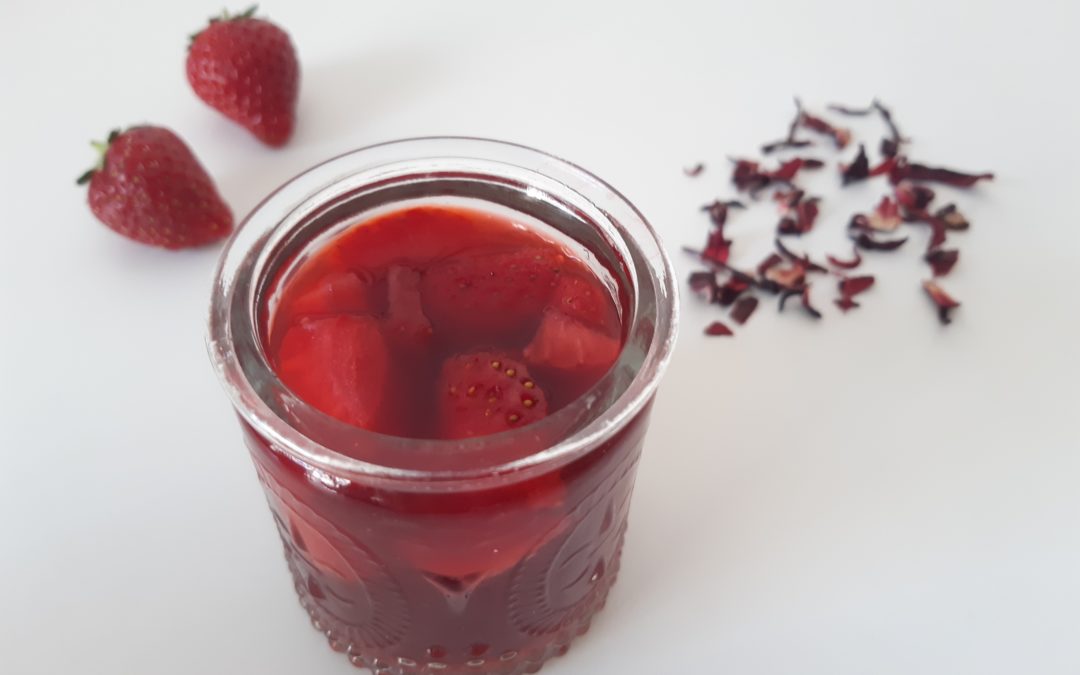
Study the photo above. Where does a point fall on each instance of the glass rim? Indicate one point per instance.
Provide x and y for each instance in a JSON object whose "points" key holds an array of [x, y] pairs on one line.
{"points": [[332, 465]]}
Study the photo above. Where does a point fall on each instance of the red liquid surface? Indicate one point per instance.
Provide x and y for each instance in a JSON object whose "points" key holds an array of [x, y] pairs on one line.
{"points": [[437, 322]]}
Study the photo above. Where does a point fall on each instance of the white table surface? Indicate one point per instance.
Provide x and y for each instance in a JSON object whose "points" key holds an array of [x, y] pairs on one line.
{"points": [[867, 494]]}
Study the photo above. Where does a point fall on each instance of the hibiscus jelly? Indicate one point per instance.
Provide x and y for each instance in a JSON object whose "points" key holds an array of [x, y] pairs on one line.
{"points": [[443, 353]]}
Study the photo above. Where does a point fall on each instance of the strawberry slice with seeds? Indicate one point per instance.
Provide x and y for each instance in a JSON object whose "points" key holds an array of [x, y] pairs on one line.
{"points": [[339, 365], [491, 296], [484, 393], [567, 344], [588, 302]]}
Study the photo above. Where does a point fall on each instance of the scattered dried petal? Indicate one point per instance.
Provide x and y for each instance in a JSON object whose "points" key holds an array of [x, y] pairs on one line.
{"points": [[743, 309], [953, 219], [806, 214], [717, 248], [852, 286], [841, 137], [905, 170], [889, 146], [912, 196], [694, 171], [884, 168], [845, 264], [803, 259], [768, 263], [788, 199], [886, 216], [717, 328], [859, 169], [748, 176], [718, 210], [866, 241], [943, 300], [942, 260], [845, 303], [790, 141], [730, 291], [804, 295], [703, 281], [787, 277]]}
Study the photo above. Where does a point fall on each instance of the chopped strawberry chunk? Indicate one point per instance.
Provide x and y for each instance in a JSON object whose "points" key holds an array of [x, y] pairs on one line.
{"points": [[586, 301], [336, 293], [491, 296], [338, 364], [407, 325], [567, 344], [484, 393]]}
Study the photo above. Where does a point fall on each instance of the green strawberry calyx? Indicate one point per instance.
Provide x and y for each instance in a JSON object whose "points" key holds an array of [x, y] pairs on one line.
{"points": [[102, 148]]}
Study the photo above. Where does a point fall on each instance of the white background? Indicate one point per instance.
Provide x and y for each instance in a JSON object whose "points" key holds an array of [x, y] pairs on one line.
{"points": [[871, 493]]}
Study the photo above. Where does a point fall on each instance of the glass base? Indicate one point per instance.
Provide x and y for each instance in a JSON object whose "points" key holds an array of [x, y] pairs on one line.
{"points": [[511, 662]]}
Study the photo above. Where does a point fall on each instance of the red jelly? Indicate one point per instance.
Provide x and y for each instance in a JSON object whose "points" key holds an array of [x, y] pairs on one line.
{"points": [[446, 397]]}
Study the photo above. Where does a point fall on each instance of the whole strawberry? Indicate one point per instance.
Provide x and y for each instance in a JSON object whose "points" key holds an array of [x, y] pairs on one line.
{"points": [[246, 68], [151, 188]]}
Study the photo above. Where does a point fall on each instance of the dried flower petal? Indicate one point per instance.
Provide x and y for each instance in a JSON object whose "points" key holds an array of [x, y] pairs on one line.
{"points": [[866, 241], [886, 216], [694, 171], [806, 212], [905, 170], [884, 168], [912, 196], [803, 259], [889, 146], [845, 264], [943, 300], [788, 199], [703, 281], [788, 276], [718, 248], [730, 291], [841, 137], [743, 309], [717, 328], [768, 263], [804, 294], [789, 141], [852, 286], [748, 176], [952, 219], [859, 169], [718, 210], [942, 260], [845, 303]]}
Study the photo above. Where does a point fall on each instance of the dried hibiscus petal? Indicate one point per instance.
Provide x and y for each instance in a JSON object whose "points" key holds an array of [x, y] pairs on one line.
{"points": [[845, 264], [695, 170], [717, 328], [789, 141], [866, 241], [904, 170], [717, 248], [845, 302], [912, 196], [731, 290], [743, 309], [789, 169], [804, 295], [788, 199], [718, 210], [703, 281], [889, 146], [852, 286], [788, 276], [885, 218], [806, 212], [859, 169], [841, 137], [942, 260], [943, 300], [951, 218], [768, 263], [803, 259]]}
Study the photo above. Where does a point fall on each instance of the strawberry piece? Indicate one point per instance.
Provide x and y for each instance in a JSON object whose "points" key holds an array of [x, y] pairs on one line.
{"points": [[150, 187], [336, 293], [566, 344], [588, 302], [407, 323], [246, 69], [339, 365], [491, 296], [484, 393]]}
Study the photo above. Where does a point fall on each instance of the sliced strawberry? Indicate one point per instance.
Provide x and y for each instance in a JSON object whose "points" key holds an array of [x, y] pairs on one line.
{"points": [[484, 393], [585, 300], [567, 344], [491, 296], [406, 323], [336, 293], [338, 364]]}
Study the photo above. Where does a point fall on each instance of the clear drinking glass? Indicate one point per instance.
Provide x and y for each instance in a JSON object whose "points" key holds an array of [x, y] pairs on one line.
{"points": [[484, 555]]}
